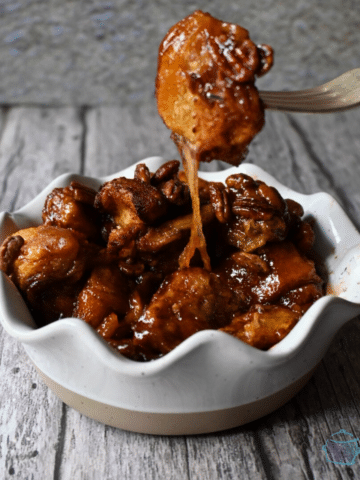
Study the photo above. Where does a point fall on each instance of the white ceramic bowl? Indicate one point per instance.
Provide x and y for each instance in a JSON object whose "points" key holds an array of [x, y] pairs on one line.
{"points": [[211, 381]]}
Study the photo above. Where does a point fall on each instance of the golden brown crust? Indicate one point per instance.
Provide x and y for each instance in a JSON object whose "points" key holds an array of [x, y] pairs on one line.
{"points": [[205, 86], [9, 251], [263, 325], [186, 302], [106, 291], [73, 207]]}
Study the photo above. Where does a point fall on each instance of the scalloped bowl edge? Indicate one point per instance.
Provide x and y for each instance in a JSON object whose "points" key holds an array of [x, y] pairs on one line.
{"points": [[200, 374]]}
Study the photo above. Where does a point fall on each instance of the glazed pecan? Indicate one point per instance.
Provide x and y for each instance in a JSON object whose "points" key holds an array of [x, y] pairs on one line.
{"points": [[220, 202], [260, 214], [167, 181], [142, 173]]}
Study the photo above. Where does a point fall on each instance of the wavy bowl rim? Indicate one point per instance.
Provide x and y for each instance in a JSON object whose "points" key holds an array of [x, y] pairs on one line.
{"points": [[114, 360]]}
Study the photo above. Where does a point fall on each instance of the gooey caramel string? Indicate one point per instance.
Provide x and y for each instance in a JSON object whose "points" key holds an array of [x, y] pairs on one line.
{"points": [[197, 239]]}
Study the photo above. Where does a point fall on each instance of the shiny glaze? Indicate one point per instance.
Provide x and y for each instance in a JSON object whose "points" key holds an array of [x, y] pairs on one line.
{"points": [[129, 287], [205, 86]]}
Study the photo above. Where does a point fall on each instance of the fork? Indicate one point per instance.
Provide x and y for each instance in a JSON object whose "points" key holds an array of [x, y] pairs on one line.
{"points": [[341, 93]]}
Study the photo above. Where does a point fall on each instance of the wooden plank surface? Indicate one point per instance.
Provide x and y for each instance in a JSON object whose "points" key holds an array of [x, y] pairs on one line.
{"points": [[36, 146], [40, 438], [99, 52]]}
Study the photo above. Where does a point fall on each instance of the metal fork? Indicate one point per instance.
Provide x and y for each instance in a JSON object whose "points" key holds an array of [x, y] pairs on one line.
{"points": [[341, 93]]}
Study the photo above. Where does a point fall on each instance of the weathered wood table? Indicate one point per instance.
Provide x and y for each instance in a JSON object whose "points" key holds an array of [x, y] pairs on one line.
{"points": [[49, 128]]}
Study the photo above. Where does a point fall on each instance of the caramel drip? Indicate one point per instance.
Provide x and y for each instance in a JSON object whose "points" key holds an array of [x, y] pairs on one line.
{"points": [[197, 239]]}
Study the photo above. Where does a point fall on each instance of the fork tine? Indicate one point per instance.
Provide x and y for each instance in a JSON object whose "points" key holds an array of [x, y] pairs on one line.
{"points": [[272, 102], [347, 81], [311, 93], [314, 93], [312, 107], [339, 94], [301, 100], [295, 93], [320, 98]]}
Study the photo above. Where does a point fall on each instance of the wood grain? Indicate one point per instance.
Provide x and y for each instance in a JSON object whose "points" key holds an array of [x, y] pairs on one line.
{"points": [[106, 452], [117, 137], [36, 146]]}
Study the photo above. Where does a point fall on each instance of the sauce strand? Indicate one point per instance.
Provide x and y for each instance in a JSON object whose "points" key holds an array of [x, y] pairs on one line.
{"points": [[197, 239]]}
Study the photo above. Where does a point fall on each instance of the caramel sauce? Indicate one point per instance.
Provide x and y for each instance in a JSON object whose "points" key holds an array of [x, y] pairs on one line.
{"points": [[197, 239], [206, 96]]}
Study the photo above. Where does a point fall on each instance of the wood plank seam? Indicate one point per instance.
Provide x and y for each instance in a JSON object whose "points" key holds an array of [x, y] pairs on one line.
{"points": [[321, 165]]}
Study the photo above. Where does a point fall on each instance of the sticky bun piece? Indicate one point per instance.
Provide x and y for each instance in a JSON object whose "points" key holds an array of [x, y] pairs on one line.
{"points": [[106, 292], [129, 202], [45, 254], [73, 207], [272, 273], [277, 285], [130, 205], [263, 325], [206, 95], [188, 301], [48, 264], [205, 86]]}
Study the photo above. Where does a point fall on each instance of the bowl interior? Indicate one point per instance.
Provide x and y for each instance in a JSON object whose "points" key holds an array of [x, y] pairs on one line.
{"points": [[337, 249]]}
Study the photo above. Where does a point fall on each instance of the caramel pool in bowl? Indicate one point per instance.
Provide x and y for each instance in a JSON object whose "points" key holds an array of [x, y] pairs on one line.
{"points": [[211, 381]]}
